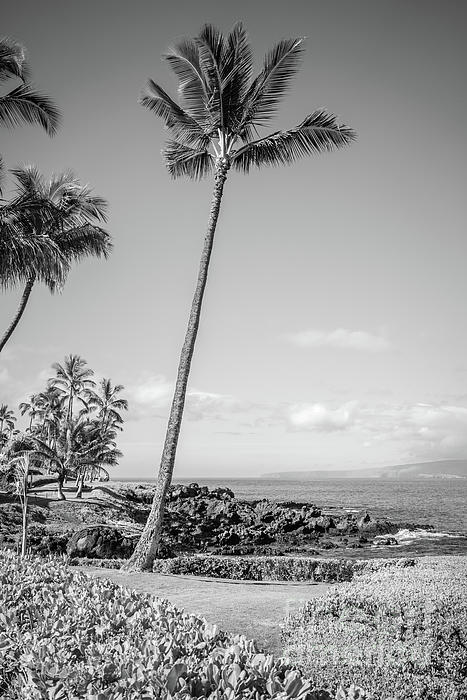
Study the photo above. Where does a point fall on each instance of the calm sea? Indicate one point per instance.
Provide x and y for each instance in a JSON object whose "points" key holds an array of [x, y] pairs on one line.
{"points": [[441, 503]]}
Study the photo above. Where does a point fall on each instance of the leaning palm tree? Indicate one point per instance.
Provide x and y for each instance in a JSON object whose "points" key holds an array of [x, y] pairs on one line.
{"points": [[214, 126], [23, 104], [47, 226]]}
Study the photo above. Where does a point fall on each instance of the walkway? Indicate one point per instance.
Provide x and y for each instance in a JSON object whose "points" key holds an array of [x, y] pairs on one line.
{"points": [[253, 609]]}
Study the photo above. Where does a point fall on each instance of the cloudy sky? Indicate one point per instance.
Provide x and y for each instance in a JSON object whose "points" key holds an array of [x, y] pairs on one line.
{"points": [[334, 332]]}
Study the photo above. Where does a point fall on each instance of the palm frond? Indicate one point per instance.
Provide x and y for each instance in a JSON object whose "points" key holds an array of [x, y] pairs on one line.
{"points": [[183, 126], [211, 46], [23, 257], [319, 132], [25, 105], [281, 65], [183, 58], [12, 60], [182, 160], [236, 68]]}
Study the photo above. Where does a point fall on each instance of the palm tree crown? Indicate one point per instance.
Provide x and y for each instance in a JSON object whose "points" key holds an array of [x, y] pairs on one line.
{"points": [[47, 226], [72, 382], [23, 104], [221, 107]]}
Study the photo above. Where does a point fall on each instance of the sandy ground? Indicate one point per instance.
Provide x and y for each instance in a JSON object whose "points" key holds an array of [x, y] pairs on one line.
{"points": [[255, 610]]}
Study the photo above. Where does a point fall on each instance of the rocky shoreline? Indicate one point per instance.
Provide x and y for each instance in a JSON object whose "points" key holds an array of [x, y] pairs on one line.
{"points": [[107, 522]]}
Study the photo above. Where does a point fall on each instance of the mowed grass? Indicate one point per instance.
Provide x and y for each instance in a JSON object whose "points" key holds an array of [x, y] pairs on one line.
{"points": [[255, 610]]}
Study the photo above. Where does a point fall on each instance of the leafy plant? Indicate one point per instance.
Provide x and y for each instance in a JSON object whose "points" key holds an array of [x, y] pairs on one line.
{"points": [[398, 632], [69, 636], [273, 568]]}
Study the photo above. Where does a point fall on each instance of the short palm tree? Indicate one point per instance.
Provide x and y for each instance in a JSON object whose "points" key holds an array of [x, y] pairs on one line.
{"points": [[214, 126], [48, 226], [23, 104], [79, 447]]}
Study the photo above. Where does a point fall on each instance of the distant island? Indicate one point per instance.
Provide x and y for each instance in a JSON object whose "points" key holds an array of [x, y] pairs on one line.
{"points": [[443, 469]]}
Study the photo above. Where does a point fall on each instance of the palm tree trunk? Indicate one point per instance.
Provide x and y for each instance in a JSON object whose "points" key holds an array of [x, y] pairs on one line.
{"points": [[24, 531], [79, 486], [146, 549], [60, 481], [19, 313]]}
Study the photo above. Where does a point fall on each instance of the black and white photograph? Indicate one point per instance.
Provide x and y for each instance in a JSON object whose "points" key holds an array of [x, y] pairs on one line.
{"points": [[233, 350]]}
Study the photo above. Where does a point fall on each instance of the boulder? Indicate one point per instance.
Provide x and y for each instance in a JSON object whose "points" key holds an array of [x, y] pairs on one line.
{"points": [[102, 542], [223, 493], [324, 523], [385, 541], [364, 520]]}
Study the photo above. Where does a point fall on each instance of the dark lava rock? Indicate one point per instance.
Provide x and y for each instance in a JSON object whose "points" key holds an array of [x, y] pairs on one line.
{"points": [[385, 541], [98, 542], [223, 493], [324, 523], [364, 520]]}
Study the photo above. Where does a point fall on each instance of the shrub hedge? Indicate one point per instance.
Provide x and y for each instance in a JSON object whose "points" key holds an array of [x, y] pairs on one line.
{"points": [[273, 568], [399, 633], [67, 636]]}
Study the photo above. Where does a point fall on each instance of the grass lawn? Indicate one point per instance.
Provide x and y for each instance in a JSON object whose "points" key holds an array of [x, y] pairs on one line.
{"points": [[255, 610]]}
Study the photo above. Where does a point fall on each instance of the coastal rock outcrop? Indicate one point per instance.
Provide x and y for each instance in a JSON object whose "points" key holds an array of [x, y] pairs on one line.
{"points": [[100, 542]]}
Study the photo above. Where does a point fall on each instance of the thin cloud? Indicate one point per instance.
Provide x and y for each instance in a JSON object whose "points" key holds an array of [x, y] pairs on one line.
{"points": [[318, 417], [153, 394], [339, 338], [428, 431]]}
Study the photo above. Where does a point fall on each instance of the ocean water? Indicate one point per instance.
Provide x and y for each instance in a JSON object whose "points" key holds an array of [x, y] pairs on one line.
{"points": [[441, 503]]}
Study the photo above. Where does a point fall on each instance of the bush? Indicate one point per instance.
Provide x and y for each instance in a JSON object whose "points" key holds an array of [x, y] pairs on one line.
{"points": [[273, 568], [66, 636], [399, 633]]}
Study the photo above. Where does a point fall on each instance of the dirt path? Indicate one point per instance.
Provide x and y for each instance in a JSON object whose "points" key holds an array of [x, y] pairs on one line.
{"points": [[255, 610]]}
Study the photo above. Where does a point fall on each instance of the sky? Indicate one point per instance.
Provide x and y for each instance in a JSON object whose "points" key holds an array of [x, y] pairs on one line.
{"points": [[333, 333]]}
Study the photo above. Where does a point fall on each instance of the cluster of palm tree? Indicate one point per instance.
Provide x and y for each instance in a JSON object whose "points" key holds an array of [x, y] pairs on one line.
{"points": [[47, 224], [72, 426]]}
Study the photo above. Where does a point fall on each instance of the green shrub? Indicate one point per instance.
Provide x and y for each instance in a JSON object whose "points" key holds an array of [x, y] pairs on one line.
{"points": [[96, 563], [399, 633], [66, 636], [273, 568]]}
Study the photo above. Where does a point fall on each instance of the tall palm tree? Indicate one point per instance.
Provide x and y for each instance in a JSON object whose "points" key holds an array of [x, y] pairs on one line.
{"points": [[23, 104], [49, 225], [109, 404], [32, 408], [215, 126], [73, 382], [7, 421]]}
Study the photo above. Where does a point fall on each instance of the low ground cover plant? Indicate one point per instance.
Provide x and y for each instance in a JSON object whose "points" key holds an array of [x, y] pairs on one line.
{"points": [[273, 568], [66, 636], [398, 632]]}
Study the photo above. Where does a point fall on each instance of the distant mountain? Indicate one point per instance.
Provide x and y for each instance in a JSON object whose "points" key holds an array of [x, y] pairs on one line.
{"points": [[443, 469]]}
